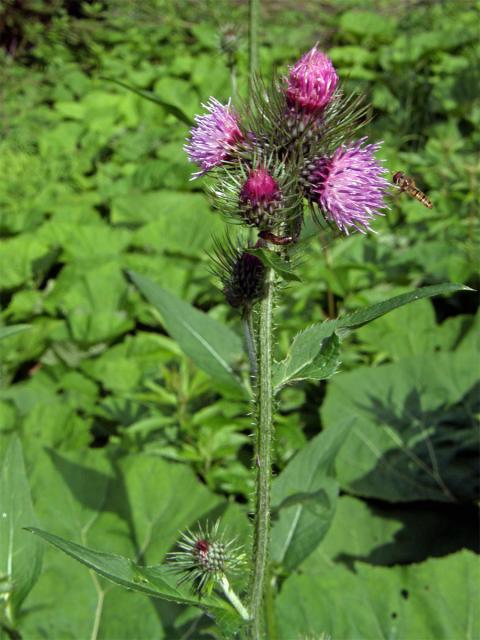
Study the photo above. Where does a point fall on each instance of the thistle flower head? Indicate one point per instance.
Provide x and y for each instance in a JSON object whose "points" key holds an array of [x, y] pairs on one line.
{"points": [[259, 197], [348, 186], [311, 82], [204, 557], [214, 137]]}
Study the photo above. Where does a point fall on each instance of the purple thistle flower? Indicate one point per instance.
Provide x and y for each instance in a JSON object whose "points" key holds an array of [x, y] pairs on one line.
{"points": [[260, 196], [259, 188], [311, 82], [349, 186], [215, 136]]}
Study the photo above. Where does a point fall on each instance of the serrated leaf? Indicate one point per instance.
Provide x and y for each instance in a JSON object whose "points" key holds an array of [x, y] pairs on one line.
{"points": [[306, 362], [20, 556], [157, 581], [211, 345], [307, 344], [274, 261], [304, 498]]}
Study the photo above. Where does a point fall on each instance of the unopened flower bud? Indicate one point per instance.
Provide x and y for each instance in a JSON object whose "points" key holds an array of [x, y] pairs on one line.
{"points": [[204, 557], [246, 284], [311, 82], [260, 198]]}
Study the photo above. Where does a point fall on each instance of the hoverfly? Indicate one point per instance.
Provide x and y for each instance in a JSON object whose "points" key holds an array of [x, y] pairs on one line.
{"points": [[407, 184]]}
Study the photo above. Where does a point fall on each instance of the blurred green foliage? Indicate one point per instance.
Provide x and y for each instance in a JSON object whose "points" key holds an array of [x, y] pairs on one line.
{"points": [[119, 428]]}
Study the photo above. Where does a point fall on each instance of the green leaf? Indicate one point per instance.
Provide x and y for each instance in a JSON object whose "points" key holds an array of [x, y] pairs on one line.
{"points": [[301, 360], [383, 534], [13, 330], [274, 261], [211, 345], [432, 600], [149, 95], [363, 316], [416, 435], [157, 581], [20, 555], [306, 362], [131, 505], [304, 498]]}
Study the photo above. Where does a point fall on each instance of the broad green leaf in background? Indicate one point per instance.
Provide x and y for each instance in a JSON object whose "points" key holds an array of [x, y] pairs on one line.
{"points": [[416, 437], [157, 581], [13, 330], [301, 360], [304, 497], [432, 600], [386, 534], [212, 346], [20, 555]]}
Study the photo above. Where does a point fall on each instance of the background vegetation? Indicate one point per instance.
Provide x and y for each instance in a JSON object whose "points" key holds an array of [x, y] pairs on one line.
{"points": [[126, 441]]}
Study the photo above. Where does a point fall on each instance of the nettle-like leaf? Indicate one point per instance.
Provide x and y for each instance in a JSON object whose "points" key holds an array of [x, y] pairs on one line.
{"points": [[211, 345], [312, 357], [157, 581], [20, 555], [304, 498]]}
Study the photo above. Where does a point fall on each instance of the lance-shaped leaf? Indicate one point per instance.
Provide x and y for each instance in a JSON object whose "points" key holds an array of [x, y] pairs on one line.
{"points": [[169, 107], [20, 554], [158, 581], [309, 343], [13, 330], [211, 345], [304, 498]]}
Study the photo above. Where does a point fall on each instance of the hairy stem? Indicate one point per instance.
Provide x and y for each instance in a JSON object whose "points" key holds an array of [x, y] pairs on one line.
{"points": [[250, 341], [253, 19], [263, 458]]}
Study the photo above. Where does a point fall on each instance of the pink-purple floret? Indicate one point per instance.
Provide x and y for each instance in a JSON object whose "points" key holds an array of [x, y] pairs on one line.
{"points": [[259, 188], [214, 137], [349, 186], [311, 82]]}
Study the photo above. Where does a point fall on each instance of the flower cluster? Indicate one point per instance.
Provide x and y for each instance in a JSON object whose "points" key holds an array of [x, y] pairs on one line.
{"points": [[295, 142]]}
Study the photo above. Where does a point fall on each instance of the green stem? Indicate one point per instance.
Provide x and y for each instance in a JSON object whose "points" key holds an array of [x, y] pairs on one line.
{"points": [[253, 19], [271, 623], [263, 459], [233, 598], [250, 341]]}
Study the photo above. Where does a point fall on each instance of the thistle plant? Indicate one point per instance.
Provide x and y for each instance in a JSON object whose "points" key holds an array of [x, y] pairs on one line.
{"points": [[295, 143]]}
